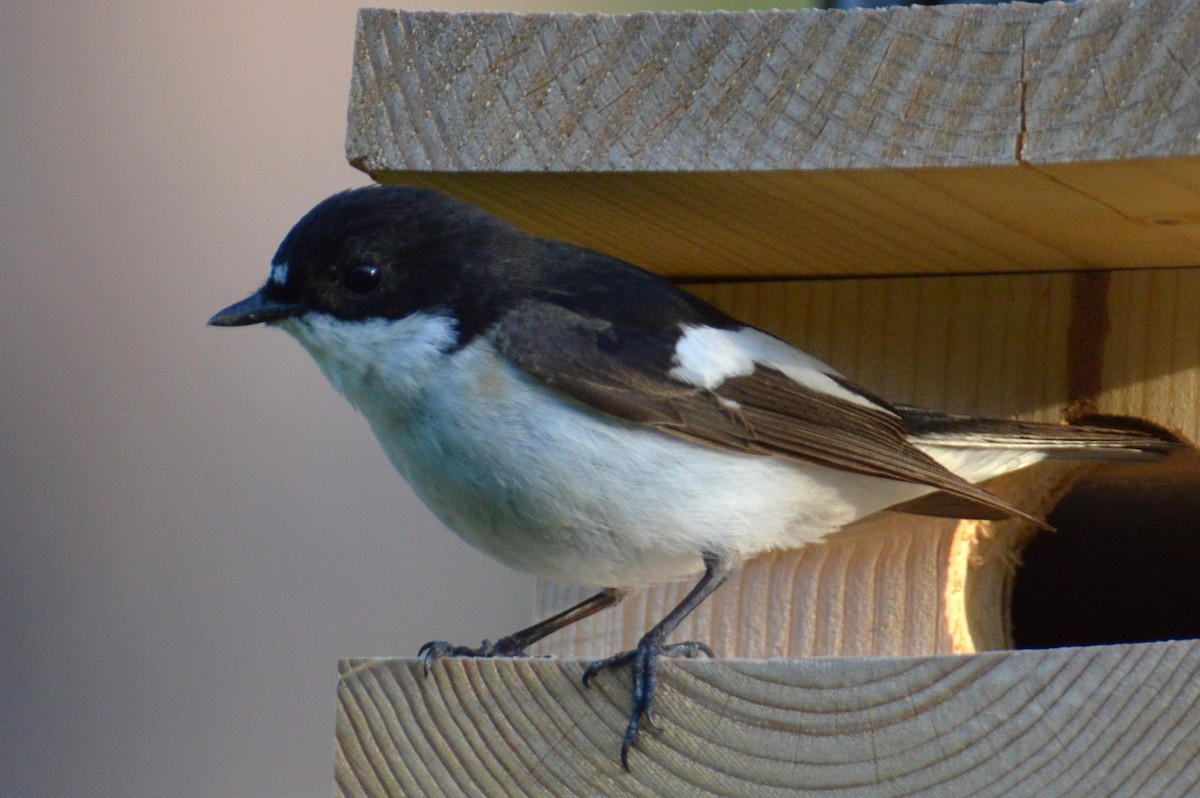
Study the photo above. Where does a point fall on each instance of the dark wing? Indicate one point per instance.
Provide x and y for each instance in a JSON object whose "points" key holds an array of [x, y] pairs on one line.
{"points": [[625, 373]]}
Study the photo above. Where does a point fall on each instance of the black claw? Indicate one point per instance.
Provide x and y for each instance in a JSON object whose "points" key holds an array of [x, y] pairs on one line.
{"points": [[436, 649], [691, 649], [627, 742], [643, 664], [615, 661], [650, 718]]}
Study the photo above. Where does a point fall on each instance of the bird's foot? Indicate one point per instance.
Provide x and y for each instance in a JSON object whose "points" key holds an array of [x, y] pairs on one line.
{"points": [[436, 649], [643, 664]]}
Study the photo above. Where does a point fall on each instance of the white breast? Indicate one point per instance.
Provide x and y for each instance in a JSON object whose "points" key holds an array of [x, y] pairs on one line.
{"points": [[551, 487]]}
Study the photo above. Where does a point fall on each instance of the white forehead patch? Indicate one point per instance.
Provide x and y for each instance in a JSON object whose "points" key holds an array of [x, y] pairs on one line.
{"points": [[279, 272]]}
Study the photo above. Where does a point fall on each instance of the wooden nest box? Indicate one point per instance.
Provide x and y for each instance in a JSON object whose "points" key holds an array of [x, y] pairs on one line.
{"points": [[982, 209]]}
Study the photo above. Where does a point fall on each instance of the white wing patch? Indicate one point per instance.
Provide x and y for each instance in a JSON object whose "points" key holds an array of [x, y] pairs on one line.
{"points": [[707, 356]]}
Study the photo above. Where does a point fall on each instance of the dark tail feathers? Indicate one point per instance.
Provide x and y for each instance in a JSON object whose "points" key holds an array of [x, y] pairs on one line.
{"points": [[1103, 438]]}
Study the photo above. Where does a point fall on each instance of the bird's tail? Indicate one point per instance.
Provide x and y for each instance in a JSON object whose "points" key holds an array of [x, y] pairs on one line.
{"points": [[1103, 439]]}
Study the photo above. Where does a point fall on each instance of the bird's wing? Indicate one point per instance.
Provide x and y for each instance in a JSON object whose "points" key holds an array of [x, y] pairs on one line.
{"points": [[775, 401]]}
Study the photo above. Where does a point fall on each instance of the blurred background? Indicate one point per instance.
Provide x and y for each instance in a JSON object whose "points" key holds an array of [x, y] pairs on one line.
{"points": [[193, 526]]}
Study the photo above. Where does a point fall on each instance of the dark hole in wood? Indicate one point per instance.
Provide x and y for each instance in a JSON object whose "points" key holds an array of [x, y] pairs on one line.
{"points": [[1123, 565]]}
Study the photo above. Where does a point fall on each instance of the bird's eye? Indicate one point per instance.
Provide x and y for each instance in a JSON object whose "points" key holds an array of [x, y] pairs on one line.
{"points": [[362, 279]]}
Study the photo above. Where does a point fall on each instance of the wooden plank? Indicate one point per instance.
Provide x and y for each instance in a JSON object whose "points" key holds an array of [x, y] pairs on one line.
{"points": [[1109, 80], [807, 142], [785, 90], [853, 222], [1111, 720]]}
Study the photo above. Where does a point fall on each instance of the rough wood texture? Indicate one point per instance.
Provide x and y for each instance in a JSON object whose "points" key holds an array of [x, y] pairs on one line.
{"points": [[1115, 720], [990, 345], [785, 90], [805, 142]]}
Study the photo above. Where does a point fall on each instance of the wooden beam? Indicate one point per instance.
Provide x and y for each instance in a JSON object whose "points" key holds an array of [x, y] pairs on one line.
{"points": [[1112, 720], [902, 87], [962, 139]]}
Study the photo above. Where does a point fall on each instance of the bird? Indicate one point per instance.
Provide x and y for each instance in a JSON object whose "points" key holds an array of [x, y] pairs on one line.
{"points": [[582, 419]]}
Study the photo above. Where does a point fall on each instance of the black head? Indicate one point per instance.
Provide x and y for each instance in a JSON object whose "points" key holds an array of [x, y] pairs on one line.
{"points": [[386, 252], [375, 252]]}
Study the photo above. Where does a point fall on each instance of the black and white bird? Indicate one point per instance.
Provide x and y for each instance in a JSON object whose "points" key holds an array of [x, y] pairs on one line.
{"points": [[578, 418]]}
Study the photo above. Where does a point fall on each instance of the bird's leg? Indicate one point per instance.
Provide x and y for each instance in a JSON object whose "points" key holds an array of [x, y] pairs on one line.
{"points": [[643, 660], [515, 644]]}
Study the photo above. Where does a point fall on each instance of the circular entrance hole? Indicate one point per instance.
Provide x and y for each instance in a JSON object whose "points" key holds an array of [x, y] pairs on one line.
{"points": [[1123, 565]]}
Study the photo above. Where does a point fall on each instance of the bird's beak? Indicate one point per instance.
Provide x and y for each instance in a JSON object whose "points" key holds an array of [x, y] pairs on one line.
{"points": [[256, 309]]}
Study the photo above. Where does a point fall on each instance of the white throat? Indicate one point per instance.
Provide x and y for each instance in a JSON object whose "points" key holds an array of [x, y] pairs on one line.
{"points": [[376, 360]]}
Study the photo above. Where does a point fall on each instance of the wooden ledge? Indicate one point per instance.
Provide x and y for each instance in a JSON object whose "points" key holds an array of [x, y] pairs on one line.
{"points": [[847, 223], [895, 88], [962, 139], [1110, 720]]}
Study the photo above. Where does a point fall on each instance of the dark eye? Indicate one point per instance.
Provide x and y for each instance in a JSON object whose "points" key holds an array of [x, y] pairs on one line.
{"points": [[362, 279]]}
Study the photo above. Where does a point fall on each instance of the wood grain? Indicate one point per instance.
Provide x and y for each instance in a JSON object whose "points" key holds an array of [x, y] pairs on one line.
{"points": [[779, 91], [767, 225], [1152, 351], [962, 139], [1105, 721]]}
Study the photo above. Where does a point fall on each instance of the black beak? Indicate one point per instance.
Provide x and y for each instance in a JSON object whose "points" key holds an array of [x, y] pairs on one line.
{"points": [[256, 309]]}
